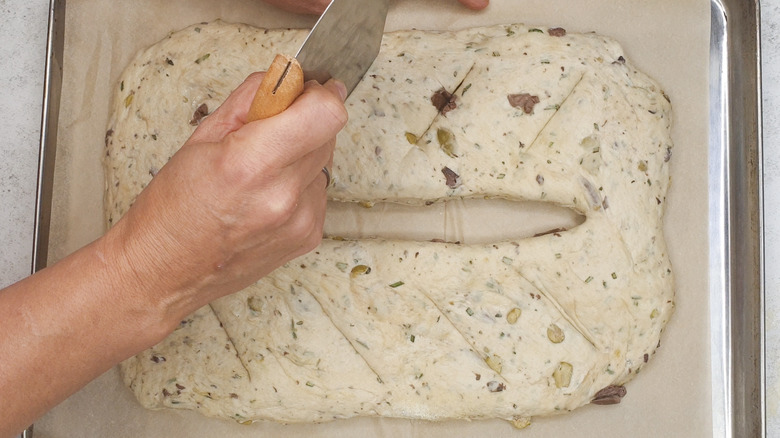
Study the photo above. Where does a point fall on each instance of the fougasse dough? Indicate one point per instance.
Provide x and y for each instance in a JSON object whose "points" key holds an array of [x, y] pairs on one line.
{"points": [[426, 330]]}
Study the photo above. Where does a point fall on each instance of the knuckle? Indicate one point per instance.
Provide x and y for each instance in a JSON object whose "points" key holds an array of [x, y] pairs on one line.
{"points": [[281, 206], [304, 224], [308, 228]]}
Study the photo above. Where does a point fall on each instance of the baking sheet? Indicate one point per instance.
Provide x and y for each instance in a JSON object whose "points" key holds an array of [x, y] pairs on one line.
{"points": [[736, 228], [668, 39]]}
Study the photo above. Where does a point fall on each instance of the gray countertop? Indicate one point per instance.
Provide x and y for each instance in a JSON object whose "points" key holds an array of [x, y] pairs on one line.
{"points": [[770, 46], [22, 50]]}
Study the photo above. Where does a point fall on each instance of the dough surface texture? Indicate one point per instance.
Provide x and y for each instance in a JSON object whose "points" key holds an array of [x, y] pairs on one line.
{"points": [[426, 330]]}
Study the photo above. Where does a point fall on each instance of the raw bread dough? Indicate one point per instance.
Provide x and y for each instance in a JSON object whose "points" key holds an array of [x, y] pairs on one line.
{"points": [[428, 330]]}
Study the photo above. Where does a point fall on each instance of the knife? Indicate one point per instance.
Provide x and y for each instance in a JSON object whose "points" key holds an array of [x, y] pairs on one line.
{"points": [[342, 45]]}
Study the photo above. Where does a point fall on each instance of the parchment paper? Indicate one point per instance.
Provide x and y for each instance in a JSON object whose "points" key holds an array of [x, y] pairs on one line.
{"points": [[668, 39]]}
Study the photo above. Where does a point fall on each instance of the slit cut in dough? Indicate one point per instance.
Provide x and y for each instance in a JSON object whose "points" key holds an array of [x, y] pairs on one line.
{"points": [[426, 330]]}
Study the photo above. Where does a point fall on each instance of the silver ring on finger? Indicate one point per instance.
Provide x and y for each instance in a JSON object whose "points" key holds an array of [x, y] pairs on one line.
{"points": [[327, 176]]}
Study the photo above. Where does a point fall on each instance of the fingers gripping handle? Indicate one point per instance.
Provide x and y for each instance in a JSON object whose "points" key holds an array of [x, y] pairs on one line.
{"points": [[281, 85]]}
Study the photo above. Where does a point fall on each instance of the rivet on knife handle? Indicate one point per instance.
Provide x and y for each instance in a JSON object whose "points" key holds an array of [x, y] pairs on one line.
{"points": [[282, 84]]}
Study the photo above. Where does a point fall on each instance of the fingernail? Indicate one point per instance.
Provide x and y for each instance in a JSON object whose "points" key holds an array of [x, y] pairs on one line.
{"points": [[341, 88]]}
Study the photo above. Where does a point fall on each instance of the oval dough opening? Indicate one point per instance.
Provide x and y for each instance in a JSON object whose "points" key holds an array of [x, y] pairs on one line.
{"points": [[460, 220]]}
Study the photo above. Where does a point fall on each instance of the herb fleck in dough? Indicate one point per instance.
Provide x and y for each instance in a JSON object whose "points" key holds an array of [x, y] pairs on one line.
{"points": [[426, 330]]}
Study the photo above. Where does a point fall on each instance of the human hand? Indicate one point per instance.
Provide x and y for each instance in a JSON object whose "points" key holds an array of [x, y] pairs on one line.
{"points": [[237, 200], [318, 6], [234, 203]]}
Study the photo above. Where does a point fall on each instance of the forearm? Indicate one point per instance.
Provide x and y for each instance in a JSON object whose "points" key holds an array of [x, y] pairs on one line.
{"points": [[65, 326]]}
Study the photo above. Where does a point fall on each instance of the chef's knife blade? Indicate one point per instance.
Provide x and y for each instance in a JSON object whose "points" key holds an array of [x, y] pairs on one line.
{"points": [[342, 45]]}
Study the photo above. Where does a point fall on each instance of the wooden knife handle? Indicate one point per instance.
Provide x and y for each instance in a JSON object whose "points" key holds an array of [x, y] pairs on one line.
{"points": [[281, 85]]}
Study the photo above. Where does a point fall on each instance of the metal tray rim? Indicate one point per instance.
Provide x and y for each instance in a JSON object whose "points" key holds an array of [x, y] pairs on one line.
{"points": [[736, 226]]}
